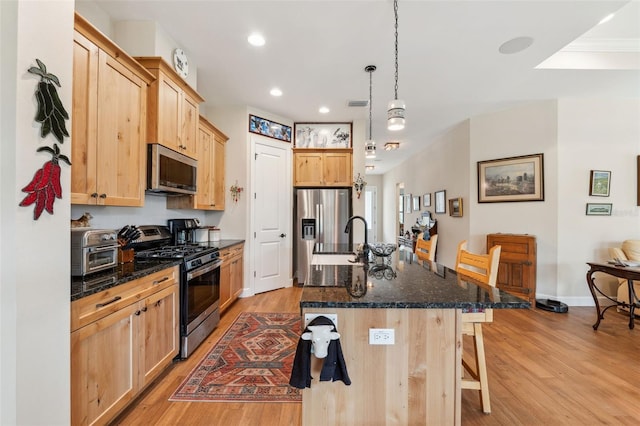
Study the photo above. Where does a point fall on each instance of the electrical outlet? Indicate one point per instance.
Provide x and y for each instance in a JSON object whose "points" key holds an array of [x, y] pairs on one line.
{"points": [[382, 336], [309, 317]]}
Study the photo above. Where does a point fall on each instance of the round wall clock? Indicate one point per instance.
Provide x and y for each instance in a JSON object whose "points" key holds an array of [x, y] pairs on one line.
{"points": [[180, 63]]}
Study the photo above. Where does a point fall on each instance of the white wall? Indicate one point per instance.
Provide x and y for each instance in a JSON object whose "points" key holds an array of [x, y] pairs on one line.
{"points": [[443, 164], [34, 255], [575, 136], [523, 130], [594, 135]]}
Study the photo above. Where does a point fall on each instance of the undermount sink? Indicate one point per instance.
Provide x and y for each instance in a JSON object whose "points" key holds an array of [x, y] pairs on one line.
{"points": [[335, 259]]}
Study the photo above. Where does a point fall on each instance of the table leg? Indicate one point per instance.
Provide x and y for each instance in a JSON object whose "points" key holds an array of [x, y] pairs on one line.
{"points": [[632, 303], [592, 285]]}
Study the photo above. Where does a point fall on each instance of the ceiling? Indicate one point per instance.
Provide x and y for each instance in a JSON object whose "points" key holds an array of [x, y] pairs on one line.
{"points": [[450, 68]]}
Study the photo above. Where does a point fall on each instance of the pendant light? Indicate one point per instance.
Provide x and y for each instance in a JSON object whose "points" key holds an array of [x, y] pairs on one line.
{"points": [[370, 144], [396, 110]]}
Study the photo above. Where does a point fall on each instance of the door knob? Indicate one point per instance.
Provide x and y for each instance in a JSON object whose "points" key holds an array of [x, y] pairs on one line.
{"points": [[283, 235]]}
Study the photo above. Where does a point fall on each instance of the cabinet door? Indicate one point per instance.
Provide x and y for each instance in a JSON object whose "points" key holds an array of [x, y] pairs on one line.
{"points": [[84, 113], [189, 131], [337, 169], [236, 277], [122, 97], [204, 195], [218, 174], [225, 284], [308, 169], [169, 113], [159, 338], [104, 355], [518, 264]]}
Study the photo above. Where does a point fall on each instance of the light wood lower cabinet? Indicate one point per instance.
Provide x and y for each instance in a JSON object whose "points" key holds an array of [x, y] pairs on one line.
{"points": [[323, 167], [231, 275], [121, 340]]}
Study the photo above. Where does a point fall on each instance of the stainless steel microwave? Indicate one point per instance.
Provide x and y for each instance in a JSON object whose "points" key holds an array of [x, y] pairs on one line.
{"points": [[169, 171]]}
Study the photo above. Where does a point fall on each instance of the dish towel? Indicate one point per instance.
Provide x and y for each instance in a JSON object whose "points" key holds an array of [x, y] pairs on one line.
{"points": [[333, 368]]}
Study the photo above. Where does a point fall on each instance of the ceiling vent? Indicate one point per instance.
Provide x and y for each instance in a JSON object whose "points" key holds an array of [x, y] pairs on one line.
{"points": [[359, 104]]}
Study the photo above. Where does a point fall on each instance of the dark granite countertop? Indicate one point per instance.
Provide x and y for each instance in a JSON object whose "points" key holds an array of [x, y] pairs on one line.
{"points": [[124, 273], [121, 274], [398, 281]]}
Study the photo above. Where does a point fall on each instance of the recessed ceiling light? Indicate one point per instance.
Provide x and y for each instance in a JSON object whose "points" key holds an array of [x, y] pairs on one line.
{"points": [[606, 18], [369, 167], [515, 45], [276, 92], [256, 39], [323, 110]]}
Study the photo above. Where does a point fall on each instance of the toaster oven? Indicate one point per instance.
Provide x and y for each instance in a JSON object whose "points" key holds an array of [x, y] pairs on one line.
{"points": [[93, 250]]}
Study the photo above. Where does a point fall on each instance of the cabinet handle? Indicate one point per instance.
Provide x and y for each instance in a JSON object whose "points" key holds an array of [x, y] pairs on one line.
{"points": [[156, 282], [115, 299], [94, 195], [103, 196], [144, 309], [138, 312], [159, 302]]}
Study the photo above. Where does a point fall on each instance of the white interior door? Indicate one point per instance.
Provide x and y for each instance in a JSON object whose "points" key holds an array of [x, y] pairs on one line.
{"points": [[271, 217]]}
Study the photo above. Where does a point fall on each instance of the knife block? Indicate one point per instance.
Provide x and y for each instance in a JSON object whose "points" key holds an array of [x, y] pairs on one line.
{"points": [[125, 256]]}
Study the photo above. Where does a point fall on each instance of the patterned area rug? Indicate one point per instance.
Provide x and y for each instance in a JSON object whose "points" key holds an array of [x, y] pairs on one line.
{"points": [[251, 363]]}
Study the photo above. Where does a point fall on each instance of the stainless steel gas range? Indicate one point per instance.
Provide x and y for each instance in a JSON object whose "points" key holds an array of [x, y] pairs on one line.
{"points": [[199, 282]]}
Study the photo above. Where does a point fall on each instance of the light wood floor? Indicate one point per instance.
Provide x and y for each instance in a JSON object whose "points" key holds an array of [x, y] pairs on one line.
{"points": [[544, 369]]}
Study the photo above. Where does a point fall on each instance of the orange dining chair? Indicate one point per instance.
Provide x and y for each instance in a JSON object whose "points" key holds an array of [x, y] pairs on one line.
{"points": [[426, 250], [484, 269]]}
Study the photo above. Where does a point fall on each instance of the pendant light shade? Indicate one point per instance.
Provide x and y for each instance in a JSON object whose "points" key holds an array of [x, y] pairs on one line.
{"points": [[370, 144], [395, 115], [396, 110]]}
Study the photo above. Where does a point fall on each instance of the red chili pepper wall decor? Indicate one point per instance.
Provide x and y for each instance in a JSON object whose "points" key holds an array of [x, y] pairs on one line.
{"points": [[45, 186]]}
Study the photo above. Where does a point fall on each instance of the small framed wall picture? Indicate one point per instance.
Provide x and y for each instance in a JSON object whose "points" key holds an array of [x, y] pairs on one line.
{"points": [[441, 206], [599, 183], [416, 203], [426, 200], [455, 207], [599, 209]]}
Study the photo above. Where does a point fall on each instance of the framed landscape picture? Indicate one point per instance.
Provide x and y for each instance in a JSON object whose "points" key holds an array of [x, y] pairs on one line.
{"points": [[455, 207], [599, 209], [599, 183], [511, 179], [322, 135]]}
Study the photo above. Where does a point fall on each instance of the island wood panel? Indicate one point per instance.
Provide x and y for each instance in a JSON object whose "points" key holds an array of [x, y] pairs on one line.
{"points": [[414, 381]]}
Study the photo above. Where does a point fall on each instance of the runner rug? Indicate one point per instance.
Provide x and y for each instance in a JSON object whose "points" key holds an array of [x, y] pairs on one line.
{"points": [[252, 362]]}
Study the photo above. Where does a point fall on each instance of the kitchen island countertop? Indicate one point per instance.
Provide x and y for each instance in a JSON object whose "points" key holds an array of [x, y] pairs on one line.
{"points": [[398, 281]]}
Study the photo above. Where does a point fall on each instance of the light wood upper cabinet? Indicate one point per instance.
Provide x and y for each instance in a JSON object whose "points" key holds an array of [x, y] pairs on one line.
{"points": [[211, 169], [324, 168], [121, 339], [173, 109], [108, 153]]}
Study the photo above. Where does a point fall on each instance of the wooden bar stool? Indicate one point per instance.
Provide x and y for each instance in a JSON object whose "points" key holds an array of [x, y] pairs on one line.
{"points": [[482, 268], [426, 250]]}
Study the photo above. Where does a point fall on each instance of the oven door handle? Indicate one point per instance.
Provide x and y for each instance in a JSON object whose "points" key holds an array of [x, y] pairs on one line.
{"points": [[203, 270]]}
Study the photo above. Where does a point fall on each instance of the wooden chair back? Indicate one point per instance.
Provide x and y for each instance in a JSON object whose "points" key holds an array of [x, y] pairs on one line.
{"points": [[426, 250], [481, 267]]}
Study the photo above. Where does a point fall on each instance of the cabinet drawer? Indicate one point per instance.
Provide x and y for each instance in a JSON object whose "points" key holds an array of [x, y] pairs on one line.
{"points": [[231, 252], [99, 305]]}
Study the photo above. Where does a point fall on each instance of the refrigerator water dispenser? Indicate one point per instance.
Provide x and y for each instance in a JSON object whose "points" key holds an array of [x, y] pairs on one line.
{"points": [[308, 229]]}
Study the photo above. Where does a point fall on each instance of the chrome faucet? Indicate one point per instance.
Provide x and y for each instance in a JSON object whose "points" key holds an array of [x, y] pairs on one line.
{"points": [[347, 229]]}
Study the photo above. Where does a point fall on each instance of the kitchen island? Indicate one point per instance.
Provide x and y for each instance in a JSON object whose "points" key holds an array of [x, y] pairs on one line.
{"points": [[414, 380]]}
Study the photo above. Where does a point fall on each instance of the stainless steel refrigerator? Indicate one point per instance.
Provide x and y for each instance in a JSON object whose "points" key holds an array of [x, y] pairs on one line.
{"points": [[320, 217]]}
